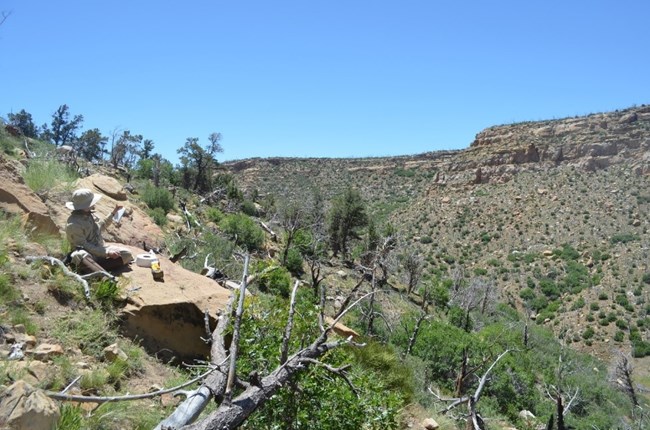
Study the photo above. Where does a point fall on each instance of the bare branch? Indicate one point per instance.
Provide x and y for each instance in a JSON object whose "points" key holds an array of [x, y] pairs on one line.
{"points": [[568, 405], [289, 326], [70, 385], [81, 279], [4, 16], [233, 411], [416, 330], [338, 371], [236, 332], [266, 228], [348, 299], [455, 401], [471, 401], [214, 384], [106, 399], [483, 380], [321, 316]]}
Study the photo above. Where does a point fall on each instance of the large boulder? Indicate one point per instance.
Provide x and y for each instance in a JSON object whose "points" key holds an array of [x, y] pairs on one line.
{"points": [[108, 186], [24, 408], [135, 228], [18, 199], [168, 316]]}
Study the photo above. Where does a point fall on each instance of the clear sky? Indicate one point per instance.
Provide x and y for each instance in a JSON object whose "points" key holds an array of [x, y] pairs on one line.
{"points": [[314, 78]]}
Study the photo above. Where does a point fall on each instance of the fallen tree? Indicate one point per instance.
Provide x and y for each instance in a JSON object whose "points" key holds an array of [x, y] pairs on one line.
{"points": [[233, 411]]}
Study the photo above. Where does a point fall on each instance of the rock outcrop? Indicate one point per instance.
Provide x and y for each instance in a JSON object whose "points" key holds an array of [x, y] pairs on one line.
{"points": [[18, 199], [24, 408], [590, 143], [496, 155], [169, 316], [135, 227]]}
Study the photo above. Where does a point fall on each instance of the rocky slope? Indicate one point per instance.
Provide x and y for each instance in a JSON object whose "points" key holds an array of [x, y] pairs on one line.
{"points": [[521, 190]]}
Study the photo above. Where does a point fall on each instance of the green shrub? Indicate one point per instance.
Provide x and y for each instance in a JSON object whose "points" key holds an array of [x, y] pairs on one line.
{"points": [[157, 197], [158, 216], [426, 239], [276, 281], [624, 238], [538, 303], [440, 295], [549, 288], [527, 294], [640, 348], [214, 214], [93, 380], [622, 324], [116, 371], [243, 230], [248, 207], [588, 333], [578, 304], [646, 278], [405, 173], [567, 253], [106, 291], [458, 318], [530, 257], [20, 315], [294, 262], [7, 291]]}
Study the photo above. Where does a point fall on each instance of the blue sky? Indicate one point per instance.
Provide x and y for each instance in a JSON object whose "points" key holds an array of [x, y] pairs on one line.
{"points": [[321, 79]]}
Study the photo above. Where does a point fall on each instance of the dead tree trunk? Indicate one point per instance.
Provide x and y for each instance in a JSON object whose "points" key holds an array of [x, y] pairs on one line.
{"points": [[623, 378], [474, 421], [371, 305], [416, 331]]}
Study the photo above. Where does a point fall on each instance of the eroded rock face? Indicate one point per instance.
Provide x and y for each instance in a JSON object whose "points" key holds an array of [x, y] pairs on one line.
{"points": [[17, 198], [168, 316], [24, 408], [589, 143]]}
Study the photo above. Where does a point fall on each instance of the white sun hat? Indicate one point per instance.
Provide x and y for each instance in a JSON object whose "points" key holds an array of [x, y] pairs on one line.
{"points": [[83, 198]]}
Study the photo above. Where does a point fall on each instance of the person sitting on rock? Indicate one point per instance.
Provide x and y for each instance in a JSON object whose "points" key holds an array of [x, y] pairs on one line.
{"points": [[84, 233]]}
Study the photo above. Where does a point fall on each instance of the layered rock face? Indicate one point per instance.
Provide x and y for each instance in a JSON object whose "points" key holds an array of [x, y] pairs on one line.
{"points": [[496, 155], [592, 142]]}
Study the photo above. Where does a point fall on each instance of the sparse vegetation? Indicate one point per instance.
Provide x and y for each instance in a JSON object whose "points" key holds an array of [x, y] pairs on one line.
{"points": [[42, 175]]}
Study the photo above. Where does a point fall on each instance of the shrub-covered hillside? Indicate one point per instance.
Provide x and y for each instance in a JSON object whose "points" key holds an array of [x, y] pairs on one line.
{"points": [[491, 305]]}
